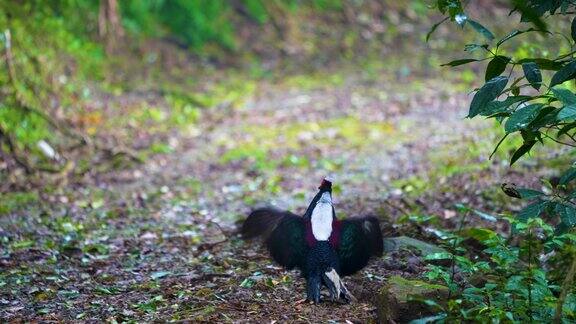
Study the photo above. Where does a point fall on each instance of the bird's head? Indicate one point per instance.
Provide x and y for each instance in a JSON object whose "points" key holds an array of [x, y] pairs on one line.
{"points": [[323, 197], [326, 185]]}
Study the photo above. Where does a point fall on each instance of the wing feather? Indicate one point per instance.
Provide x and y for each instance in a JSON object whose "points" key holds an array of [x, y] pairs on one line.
{"points": [[360, 239], [261, 222], [283, 232]]}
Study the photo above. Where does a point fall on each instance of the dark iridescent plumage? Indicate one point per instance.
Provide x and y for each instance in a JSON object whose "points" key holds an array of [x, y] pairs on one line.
{"points": [[292, 243]]}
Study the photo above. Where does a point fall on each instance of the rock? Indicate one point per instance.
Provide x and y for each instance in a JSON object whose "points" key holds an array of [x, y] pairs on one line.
{"points": [[395, 300], [396, 243]]}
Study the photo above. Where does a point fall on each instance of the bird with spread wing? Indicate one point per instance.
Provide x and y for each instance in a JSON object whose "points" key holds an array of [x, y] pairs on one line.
{"points": [[322, 247]]}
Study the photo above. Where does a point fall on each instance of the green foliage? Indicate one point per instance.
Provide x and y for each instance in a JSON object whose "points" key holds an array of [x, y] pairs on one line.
{"points": [[198, 24], [41, 74], [544, 115], [506, 281], [536, 117], [503, 282], [49, 49], [10, 202]]}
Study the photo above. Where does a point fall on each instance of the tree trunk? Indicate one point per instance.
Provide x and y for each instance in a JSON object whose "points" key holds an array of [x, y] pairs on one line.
{"points": [[110, 24]]}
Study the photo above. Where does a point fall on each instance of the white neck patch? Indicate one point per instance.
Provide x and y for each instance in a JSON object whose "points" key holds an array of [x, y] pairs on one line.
{"points": [[322, 219]]}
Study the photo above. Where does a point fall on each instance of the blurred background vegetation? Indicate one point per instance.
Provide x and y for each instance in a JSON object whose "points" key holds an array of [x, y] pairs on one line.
{"points": [[58, 54]]}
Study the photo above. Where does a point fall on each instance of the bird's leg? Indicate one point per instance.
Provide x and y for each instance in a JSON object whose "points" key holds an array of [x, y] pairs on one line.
{"points": [[313, 288], [331, 285]]}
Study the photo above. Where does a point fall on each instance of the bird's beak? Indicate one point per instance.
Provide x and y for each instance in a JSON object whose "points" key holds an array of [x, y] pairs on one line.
{"points": [[326, 198]]}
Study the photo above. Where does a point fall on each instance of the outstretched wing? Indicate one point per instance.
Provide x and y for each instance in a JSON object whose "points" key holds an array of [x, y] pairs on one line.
{"points": [[360, 239], [283, 232]]}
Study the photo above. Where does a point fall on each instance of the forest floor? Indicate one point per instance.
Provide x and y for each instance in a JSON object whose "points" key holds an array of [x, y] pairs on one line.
{"points": [[158, 240]]}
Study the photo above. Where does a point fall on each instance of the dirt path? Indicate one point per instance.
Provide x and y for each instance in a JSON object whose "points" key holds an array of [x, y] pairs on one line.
{"points": [[158, 241]]}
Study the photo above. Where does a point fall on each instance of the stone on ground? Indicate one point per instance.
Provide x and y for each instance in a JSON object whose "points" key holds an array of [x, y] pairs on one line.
{"points": [[398, 301], [403, 242]]}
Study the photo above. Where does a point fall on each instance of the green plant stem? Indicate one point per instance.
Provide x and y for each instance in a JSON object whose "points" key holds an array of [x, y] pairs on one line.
{"points": [[530, 275], [21, 161], [557, 141], [453, 260], [566, 287]]}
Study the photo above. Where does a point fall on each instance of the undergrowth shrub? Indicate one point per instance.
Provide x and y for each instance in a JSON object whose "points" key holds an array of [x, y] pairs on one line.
{"points": [[528, 273], [44, 65]]}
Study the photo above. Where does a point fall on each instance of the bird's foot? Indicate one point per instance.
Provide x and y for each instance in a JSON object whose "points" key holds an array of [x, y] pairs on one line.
{"points": [[315, 299]]}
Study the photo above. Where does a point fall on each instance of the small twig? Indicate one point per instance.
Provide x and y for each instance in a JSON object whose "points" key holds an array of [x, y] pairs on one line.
{"points": [[113, 152], [453, 259], [209, 276], [571, 137], [557, 141], [530, 275], [226, 234], [21, 161]]}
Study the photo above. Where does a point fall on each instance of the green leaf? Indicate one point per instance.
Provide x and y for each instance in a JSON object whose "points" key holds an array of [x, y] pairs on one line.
{"points": [[485, 216], [496, 66], [532, 74], [104, 290], [23, 244], [159, 274], [573, 29], [561, 229], [567, 214], [533, 210], [564, 74], [522, 117], [513, 34], [546, 116], [564, 95], [473, 47], [543, 64], [68, 293], [565, 129], [526, 193], [247, 283], [433, 29], [567, 112], [529, 14], [568, 176], [438, 256], [459, 62], [494, 107], [525, 148], [489, 91], [452, 7], [481, 29], [479, 234], [430, 319]]}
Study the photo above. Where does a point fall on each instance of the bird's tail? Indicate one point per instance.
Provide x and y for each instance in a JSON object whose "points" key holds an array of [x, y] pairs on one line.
{"points": [[336, 286]]}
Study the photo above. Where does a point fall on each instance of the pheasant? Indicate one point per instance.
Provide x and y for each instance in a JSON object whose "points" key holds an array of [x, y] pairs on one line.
{"points": [[322, 247]]}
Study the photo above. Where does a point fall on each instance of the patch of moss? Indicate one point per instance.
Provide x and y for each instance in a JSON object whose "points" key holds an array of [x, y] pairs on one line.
{"points": [[404, 289], [14, 201], [312, 81], [413, 185], [397, 300]]}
